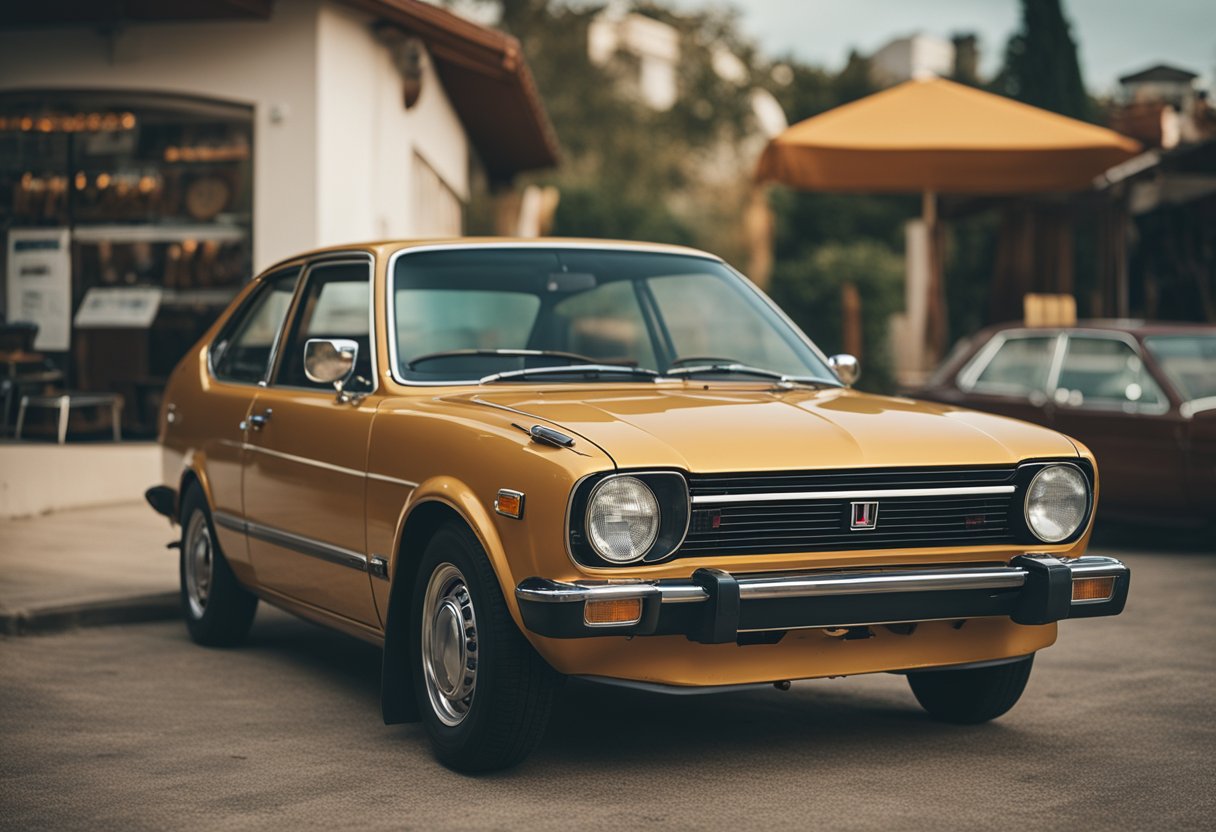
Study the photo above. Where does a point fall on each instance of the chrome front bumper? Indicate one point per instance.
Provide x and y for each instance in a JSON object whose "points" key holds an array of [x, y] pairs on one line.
{"points": [[715, 606]]}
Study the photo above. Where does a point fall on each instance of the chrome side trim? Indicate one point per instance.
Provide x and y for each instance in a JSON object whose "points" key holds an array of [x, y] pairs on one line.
{"points": [[377, 567], [228, 521], [853, 494], [307, 546]]}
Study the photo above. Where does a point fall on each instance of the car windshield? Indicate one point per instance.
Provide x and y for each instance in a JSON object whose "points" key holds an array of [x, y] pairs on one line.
{"points": [[463, 315], [1189, 361]]}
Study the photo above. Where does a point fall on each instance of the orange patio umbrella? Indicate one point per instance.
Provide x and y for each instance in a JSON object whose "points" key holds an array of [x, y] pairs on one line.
{"points": [[939, 136], [932, 136]]}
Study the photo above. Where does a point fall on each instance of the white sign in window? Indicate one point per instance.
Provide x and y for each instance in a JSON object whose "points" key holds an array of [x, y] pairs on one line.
{"points": [[40, 284]]}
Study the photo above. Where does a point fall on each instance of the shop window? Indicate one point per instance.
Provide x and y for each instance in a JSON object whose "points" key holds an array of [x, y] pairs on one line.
{"points": [[154, 194]]}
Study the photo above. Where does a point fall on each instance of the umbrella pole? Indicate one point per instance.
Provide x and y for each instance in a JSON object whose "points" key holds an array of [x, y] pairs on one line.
{"points": [[936, 302]]}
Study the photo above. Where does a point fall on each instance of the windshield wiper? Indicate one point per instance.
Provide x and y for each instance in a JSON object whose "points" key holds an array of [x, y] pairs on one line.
{"points": [[432, 356], [571, 369], [744, 369]]}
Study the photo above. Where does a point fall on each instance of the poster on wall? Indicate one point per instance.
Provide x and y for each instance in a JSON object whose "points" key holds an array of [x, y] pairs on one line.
{"points": [[40, 284], [121, 307]]}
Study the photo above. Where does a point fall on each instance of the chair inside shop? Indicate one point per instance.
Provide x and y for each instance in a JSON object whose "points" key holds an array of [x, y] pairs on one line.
{"points": [[18, 337]]}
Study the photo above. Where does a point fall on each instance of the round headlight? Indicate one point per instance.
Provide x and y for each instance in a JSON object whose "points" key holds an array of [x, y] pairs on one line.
{"points": [[622, 519], [1056, 502]]}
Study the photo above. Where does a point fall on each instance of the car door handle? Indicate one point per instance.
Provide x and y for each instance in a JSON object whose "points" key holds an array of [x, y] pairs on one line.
{"points": [[257, 421]]}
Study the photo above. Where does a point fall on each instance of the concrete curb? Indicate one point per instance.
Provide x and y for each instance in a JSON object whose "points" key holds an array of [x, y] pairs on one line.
{"points": [[160, 606]]}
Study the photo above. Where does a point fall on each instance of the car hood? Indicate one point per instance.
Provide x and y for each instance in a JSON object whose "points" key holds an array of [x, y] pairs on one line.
{"points": [[715, 429]]}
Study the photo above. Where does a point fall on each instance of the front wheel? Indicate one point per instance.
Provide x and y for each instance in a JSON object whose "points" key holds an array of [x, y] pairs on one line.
{"points": [[218, 610], [971, 696], [484, 694]]}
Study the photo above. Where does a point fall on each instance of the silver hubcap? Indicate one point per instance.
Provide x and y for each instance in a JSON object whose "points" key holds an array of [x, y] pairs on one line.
{"points": [[449, 644], [199, 552]]}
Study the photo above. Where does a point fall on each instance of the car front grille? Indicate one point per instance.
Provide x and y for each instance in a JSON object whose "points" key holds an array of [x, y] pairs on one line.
{"points": [[752, 513]]}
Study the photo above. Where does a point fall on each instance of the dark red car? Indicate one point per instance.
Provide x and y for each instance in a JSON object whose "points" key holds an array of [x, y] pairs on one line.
{"points": [[1141, 395]]}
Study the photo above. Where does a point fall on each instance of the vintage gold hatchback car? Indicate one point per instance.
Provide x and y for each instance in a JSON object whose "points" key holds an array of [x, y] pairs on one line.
{"points": [[510, 462]]}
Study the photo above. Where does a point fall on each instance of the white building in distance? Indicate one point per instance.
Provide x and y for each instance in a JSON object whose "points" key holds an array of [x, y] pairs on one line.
{"points": [[912, 56]]}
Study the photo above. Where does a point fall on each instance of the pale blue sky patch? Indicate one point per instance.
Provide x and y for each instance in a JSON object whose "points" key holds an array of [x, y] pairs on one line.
{"points": [[1116, 37]]}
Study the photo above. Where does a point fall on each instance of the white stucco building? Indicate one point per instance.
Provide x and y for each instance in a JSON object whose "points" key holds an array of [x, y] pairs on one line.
{"points": [[654, 45], [183, 146]]}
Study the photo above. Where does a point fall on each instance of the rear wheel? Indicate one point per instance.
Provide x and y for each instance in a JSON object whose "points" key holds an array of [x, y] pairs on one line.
{"points": [[484, 694], [967, 697], [218, 610]]}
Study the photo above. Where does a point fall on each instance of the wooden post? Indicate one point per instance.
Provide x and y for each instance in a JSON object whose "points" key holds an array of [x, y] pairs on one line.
{"points": [[936, 330], [850, 324], [758, 225]]}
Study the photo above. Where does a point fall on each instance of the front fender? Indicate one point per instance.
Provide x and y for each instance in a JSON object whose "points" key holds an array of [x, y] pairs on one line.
{"points": [[460, 498]]}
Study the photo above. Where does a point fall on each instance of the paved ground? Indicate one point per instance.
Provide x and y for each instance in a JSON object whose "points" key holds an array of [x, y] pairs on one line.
{"points": [[85, 556], [134, 728]]}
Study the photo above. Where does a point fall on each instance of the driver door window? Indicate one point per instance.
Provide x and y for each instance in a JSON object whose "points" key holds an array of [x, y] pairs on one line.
{"points": [[334, 304]]}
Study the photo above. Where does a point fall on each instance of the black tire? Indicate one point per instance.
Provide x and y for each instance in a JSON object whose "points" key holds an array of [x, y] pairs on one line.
{"points": [[511, 688], [224, 613], [968, 697]]}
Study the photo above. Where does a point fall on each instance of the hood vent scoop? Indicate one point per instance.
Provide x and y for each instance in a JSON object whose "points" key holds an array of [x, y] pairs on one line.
{"points": [[549, 436]]}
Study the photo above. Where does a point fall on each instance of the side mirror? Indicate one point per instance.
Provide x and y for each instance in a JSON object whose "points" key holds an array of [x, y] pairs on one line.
{"points": [[330, 360], [846, 367]]}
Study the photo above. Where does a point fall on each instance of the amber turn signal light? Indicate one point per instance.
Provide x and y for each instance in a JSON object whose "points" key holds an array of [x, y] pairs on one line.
{"points": [[1092, 589], [509, 503], [614, 611]]}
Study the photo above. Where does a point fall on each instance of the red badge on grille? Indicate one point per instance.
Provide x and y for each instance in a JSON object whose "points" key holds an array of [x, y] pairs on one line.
{"points": [[864, 517]]}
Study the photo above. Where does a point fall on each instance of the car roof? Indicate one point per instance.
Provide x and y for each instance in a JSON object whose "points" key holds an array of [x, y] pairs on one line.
{"points": [[384, 248]]}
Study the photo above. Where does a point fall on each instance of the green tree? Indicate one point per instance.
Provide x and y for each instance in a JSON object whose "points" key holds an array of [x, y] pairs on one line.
{"points": [[808, 288], [1041, 65]]}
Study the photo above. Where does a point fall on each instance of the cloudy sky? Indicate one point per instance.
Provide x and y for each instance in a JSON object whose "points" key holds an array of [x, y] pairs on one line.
{"points": [[1115, 36]]}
